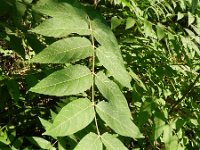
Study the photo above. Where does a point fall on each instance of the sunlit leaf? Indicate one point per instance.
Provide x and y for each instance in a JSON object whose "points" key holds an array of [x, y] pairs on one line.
{"points": [[111, 62], [69, 81], [72, 118], [112, 93], [90, 142], [40, 142], [191, 18], [65, 51], [112, 143], [56, 9], [117, 121], [130, 22], [62, 27]]}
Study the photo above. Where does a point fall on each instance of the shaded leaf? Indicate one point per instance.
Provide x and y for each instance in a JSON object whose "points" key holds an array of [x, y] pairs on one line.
{"points": [[112, 143], [112, 93], [90, 142], [117, 121], [65, 51], [72, 118], [69, 81], [13, 89], [111, 62], [159, 121], [194, 5], [115, 22]]}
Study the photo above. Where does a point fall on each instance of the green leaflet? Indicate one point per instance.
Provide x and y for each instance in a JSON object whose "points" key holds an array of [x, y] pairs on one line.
{"points": [[69, 81], [62, 26], [90, 142], [111, 92], [72, 118], [147, 28], [46, 124], [160, 31], [159, 124], [111, 62], [57, 9], [170, 140], [103, 34], [65, 51], [40, 142], [13, 89], [191, 18], [112, 143], [117, 121], [115, 22]]}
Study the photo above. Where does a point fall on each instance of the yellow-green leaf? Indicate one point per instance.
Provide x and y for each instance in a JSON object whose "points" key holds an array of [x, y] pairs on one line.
{"points": [[90, 142]]}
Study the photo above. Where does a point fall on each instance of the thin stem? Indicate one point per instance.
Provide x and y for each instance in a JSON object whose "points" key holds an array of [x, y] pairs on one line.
{"points": [[93, 76], [185, 94]]}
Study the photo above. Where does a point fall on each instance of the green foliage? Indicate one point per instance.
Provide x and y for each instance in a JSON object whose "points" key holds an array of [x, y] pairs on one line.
{"points": [[68, 80]]}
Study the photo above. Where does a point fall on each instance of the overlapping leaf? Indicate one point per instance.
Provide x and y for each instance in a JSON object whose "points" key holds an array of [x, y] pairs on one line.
{"points": [[72, 118], [90, 142], [112, 143], [111, 92], [117, 121], [111, 62], [65, 51], [103, 34], [70, 81]]}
